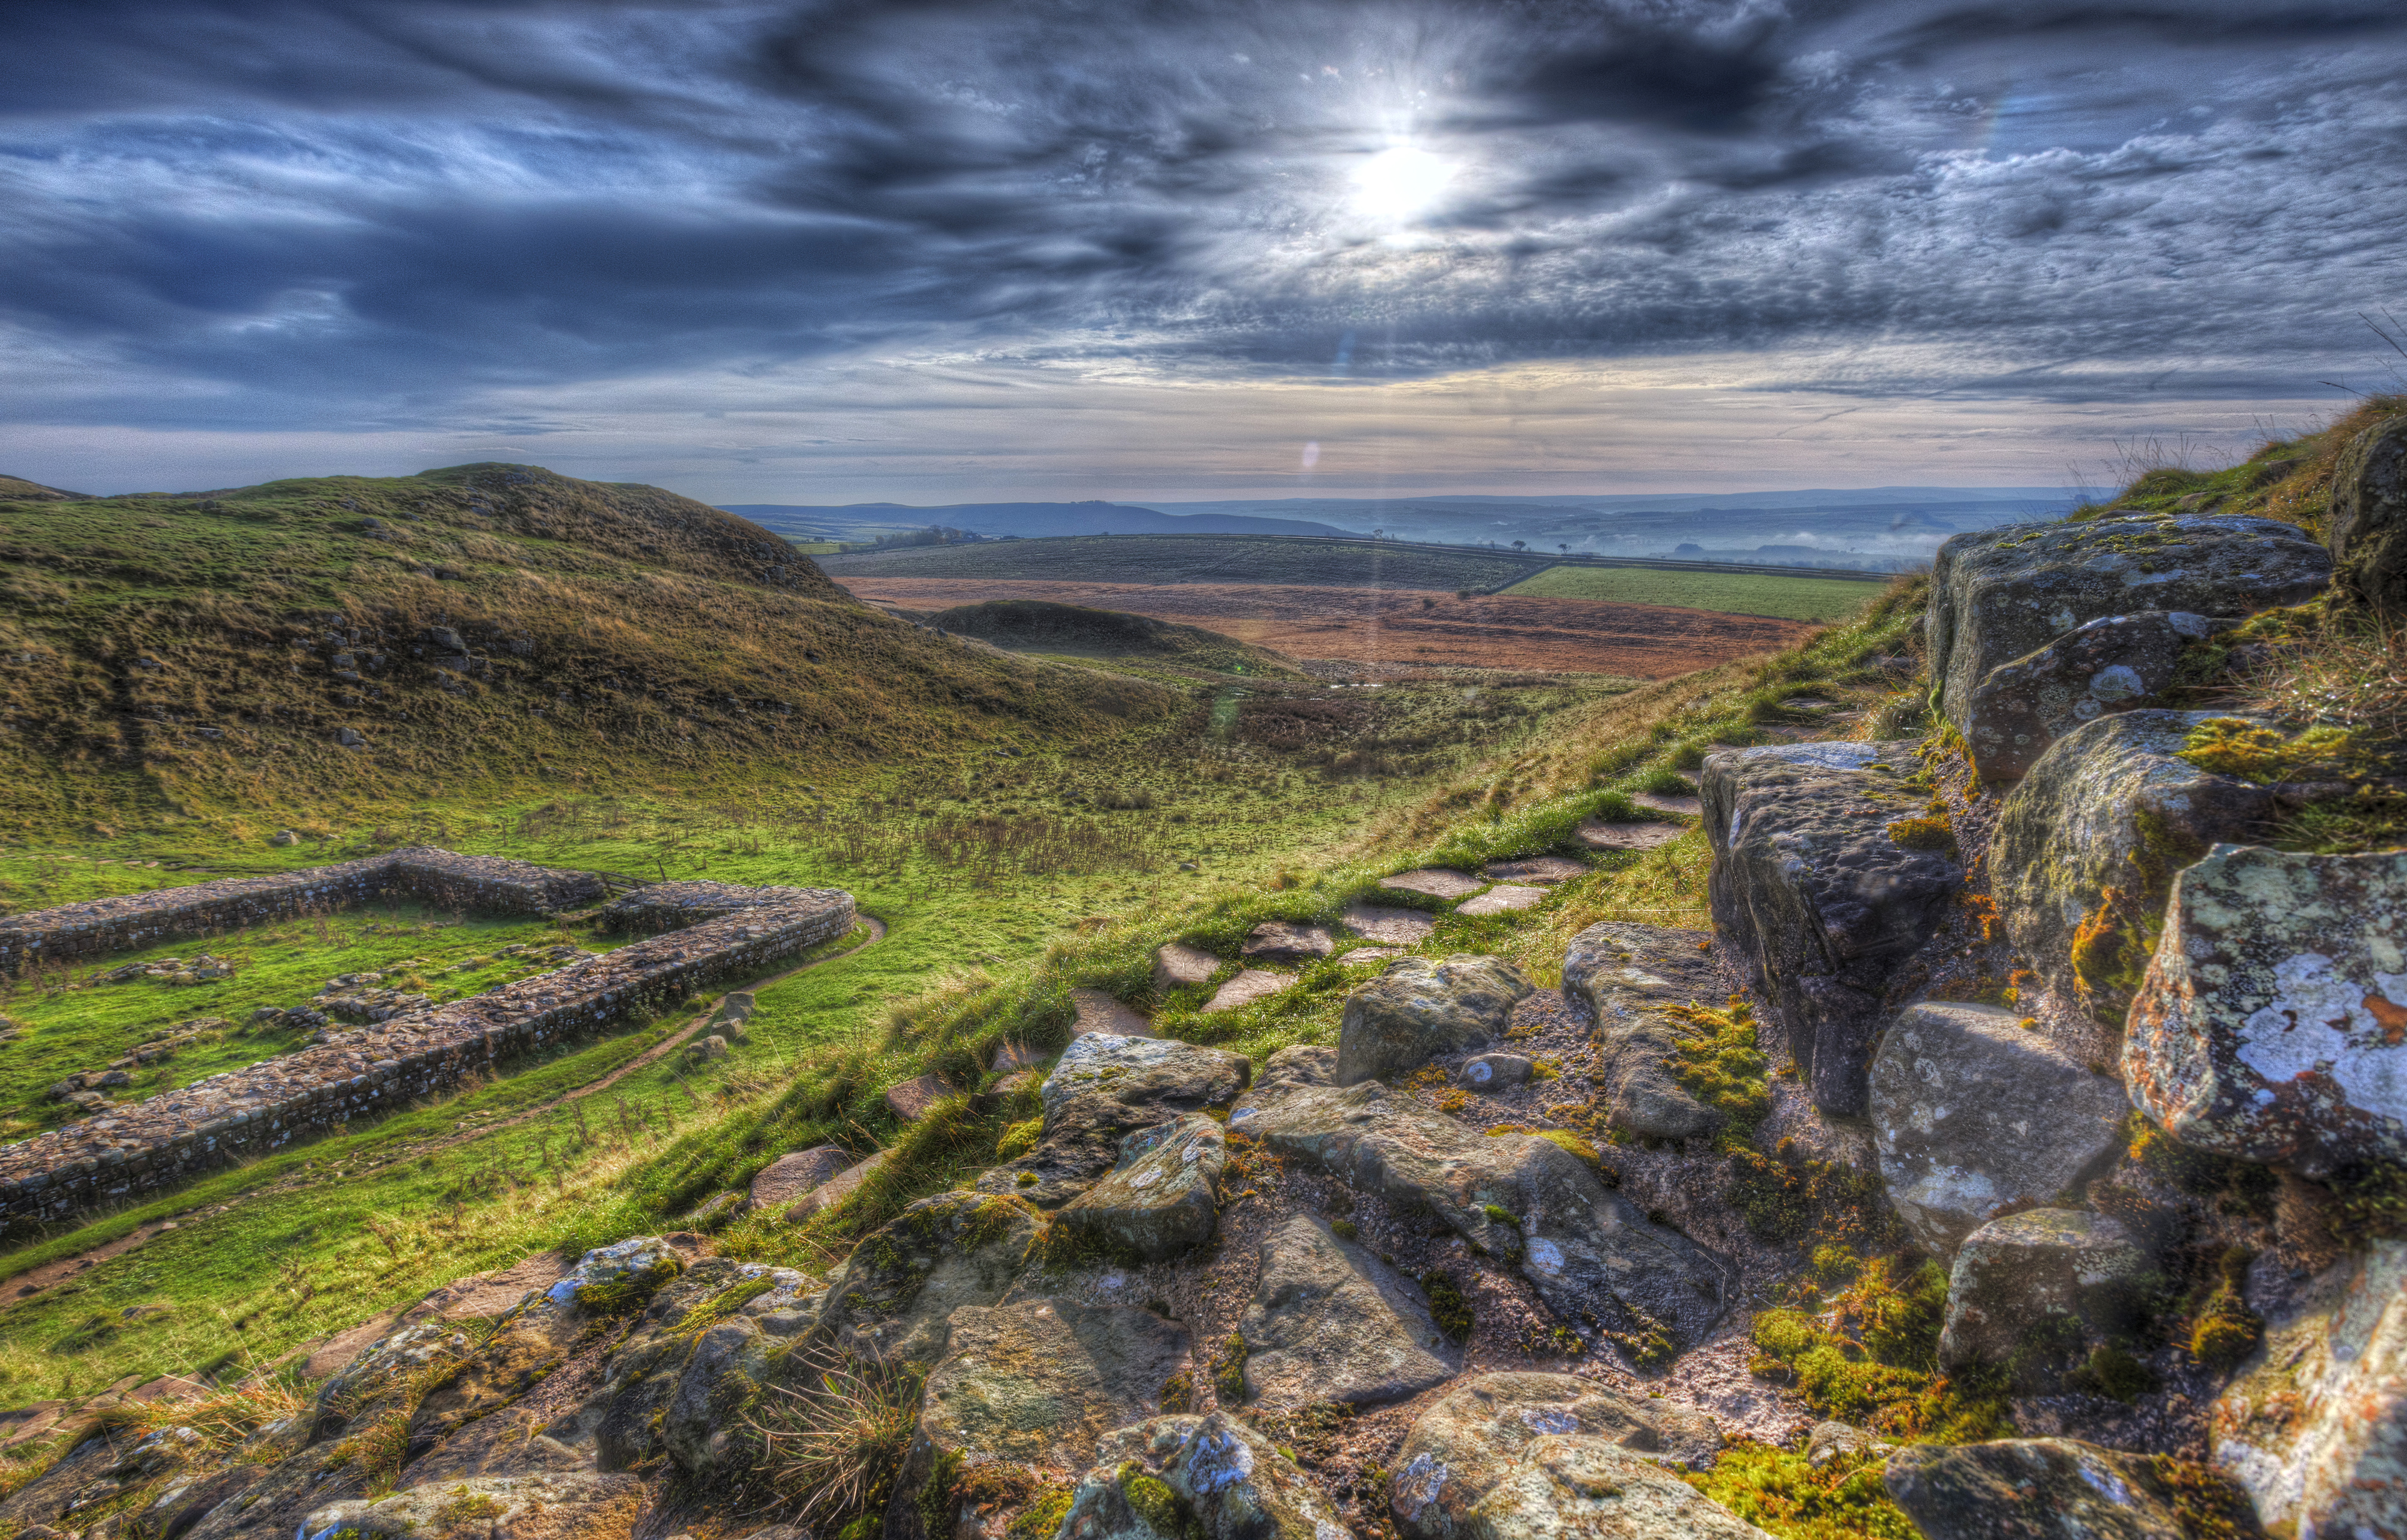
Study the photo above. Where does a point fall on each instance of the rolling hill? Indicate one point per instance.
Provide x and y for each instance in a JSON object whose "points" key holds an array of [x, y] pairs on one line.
{"points": [[1020, 520]]}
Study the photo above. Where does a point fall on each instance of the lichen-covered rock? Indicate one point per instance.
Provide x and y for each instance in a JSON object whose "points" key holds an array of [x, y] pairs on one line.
{"points": [[1330, 1321], [1626, 974], [1493, 1072], [1036, 1384], [1817, 900], [2272, 1023], [2060, 1489], [2367, 525], [1466, 1442], [1568, 1487], [543, 1507], [2035, 1290], [1997, 595], [1104, 1089], [1418, 1009], [1208, 1477], [2315, 1425], [384, 1377], [2086, 847], [892, 1296], [2119, 663], [1162, 1198], [1593, 1256], [1972, 1114]]}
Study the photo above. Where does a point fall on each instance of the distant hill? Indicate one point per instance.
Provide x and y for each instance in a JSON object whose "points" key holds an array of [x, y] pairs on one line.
{"points": [[17, 489], [1035, 626], [1025, 520]]}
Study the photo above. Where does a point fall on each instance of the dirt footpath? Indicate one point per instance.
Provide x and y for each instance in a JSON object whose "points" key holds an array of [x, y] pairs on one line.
{"points": [[1396, 626]]}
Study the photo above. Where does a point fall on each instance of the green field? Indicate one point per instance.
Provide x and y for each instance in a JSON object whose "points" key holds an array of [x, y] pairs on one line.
{"points": [[1194, 558], [1733, 593]]}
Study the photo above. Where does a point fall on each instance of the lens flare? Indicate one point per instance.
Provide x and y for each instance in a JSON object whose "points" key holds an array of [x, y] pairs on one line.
{"points": [[1401, 183]]}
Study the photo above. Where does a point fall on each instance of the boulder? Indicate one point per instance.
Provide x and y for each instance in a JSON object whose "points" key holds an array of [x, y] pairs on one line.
{"points": [[703, 1424], [1625, 974], [2367, 525], [2086, 847], [2315, 1424], [1102, 1012], [1568, 1487], [1330, 1321], [1593, 1256], [1817, 901], [2035, 1290], [1489, 1073], [1176, 965], [1418, 1009], [892, 1298], [1465, 1444], [1187, 1478], [782, 1183], [2116, 664], [1036, 1384], [2060, 1489], [1435, 882], [2269, 1025], [590, 1505], [1973, 1114], [1254, 984], [2000, 594], [1395, 927], [1102, 1089], [1162, 1197], [1278, 941]]}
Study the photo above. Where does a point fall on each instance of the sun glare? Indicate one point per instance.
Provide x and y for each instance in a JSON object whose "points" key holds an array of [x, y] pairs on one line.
{"points": [[1401, 183]]}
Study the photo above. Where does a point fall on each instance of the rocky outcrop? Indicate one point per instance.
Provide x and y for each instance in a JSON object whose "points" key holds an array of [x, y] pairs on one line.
{"points": [[1593, 1257], [2058, 1488], [1973, 1114], [1330, 1321], [1565, 1487], [1416, 1010], [1626, 974], [538, 1506], [2002, 594], [1163, 1196], [2037, 1290], [2116, 664], [2086, 847], [1822, 885], [1466, 1445], [1102, 1089], [2270, 1026], [1187, 1478], [2365, 526], [891, 1298], [2315, 1424]]}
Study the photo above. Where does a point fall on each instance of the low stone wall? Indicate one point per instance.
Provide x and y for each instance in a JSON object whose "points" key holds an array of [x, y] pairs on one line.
{"points": [[480, 882], [118, 1156]]}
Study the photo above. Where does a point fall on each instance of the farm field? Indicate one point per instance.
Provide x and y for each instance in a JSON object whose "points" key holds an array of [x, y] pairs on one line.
{"points": [[1390, 627], [1188, 558], [1816, 599]]}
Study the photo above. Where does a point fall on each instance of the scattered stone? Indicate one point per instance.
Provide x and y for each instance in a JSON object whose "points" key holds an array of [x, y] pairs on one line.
{"points": [[2034, 1291], [2367, 525], [1331, 1322], [284, 836], [1278, 941], [715, 1213], [2117, 663], [1505, 899], [1974, 1114], [2058, 1488], [1395, 927], [1104, 1089], [1829, 1441], [1489, 1073], [2000, 594], [2086, 846], [1817, 901], [1187, 1478], [1655, 801], [2271, 1024], [1598, 835], [891, 1298], [1036, 1384], [1626, 974], [713, 1047], [911, 1100], [785, 1180], [1175, 965], [507, 1507], [1254, 984], [1437, 881], [1162, 1198], [1012, 1057], [1418, 1009], [2315, 1424], [1101, 1012]]}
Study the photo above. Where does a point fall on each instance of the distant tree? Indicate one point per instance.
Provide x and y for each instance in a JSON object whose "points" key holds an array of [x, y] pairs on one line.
{"points": [[1520, 545], [1564, 549]]}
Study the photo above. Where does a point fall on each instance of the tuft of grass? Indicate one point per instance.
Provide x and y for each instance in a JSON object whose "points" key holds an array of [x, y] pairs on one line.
{"points": [[834, 1446]]}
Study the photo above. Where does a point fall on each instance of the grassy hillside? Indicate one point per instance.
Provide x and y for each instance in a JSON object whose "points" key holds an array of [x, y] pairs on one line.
{"points": [[1035, 626], [1191, 559], [485, 631], [17, 489], [1822, 599]]}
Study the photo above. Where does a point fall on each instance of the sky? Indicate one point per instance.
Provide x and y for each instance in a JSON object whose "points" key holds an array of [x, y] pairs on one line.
{"points": [[929, 252]]}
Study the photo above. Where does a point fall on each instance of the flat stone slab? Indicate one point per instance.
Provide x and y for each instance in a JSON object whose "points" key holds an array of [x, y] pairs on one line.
{"points": [[1175, 965], [1372, 954], [1597, 835], [1546, 869], [1437, 881], [781, 1183], [1687, 807], [836, 1188], [911, 1099], [1100, 1012], [1254, 984], [2053, 1487], [1626, 974], [1505, 899], [1012, 1055], [1278, 941], [1330, 1321], [1395, 927]]}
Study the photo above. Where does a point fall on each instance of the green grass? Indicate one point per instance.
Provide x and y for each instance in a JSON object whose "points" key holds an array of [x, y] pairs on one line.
{"points": [[1819, 598], [1191, 558]]}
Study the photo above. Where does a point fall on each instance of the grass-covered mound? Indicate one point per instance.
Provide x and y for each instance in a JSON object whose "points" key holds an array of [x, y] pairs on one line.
{"points": [[1029, 625]]}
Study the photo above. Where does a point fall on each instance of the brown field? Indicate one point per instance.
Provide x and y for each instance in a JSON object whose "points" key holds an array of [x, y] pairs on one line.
{"points": [[1392, 627]]}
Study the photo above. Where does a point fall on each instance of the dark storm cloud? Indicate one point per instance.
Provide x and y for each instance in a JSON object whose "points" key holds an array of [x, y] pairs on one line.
{"points": [[355, 212]]}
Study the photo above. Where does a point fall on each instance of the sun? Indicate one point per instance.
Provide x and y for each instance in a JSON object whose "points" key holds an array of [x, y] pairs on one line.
{"points": [[1401, 183]]}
